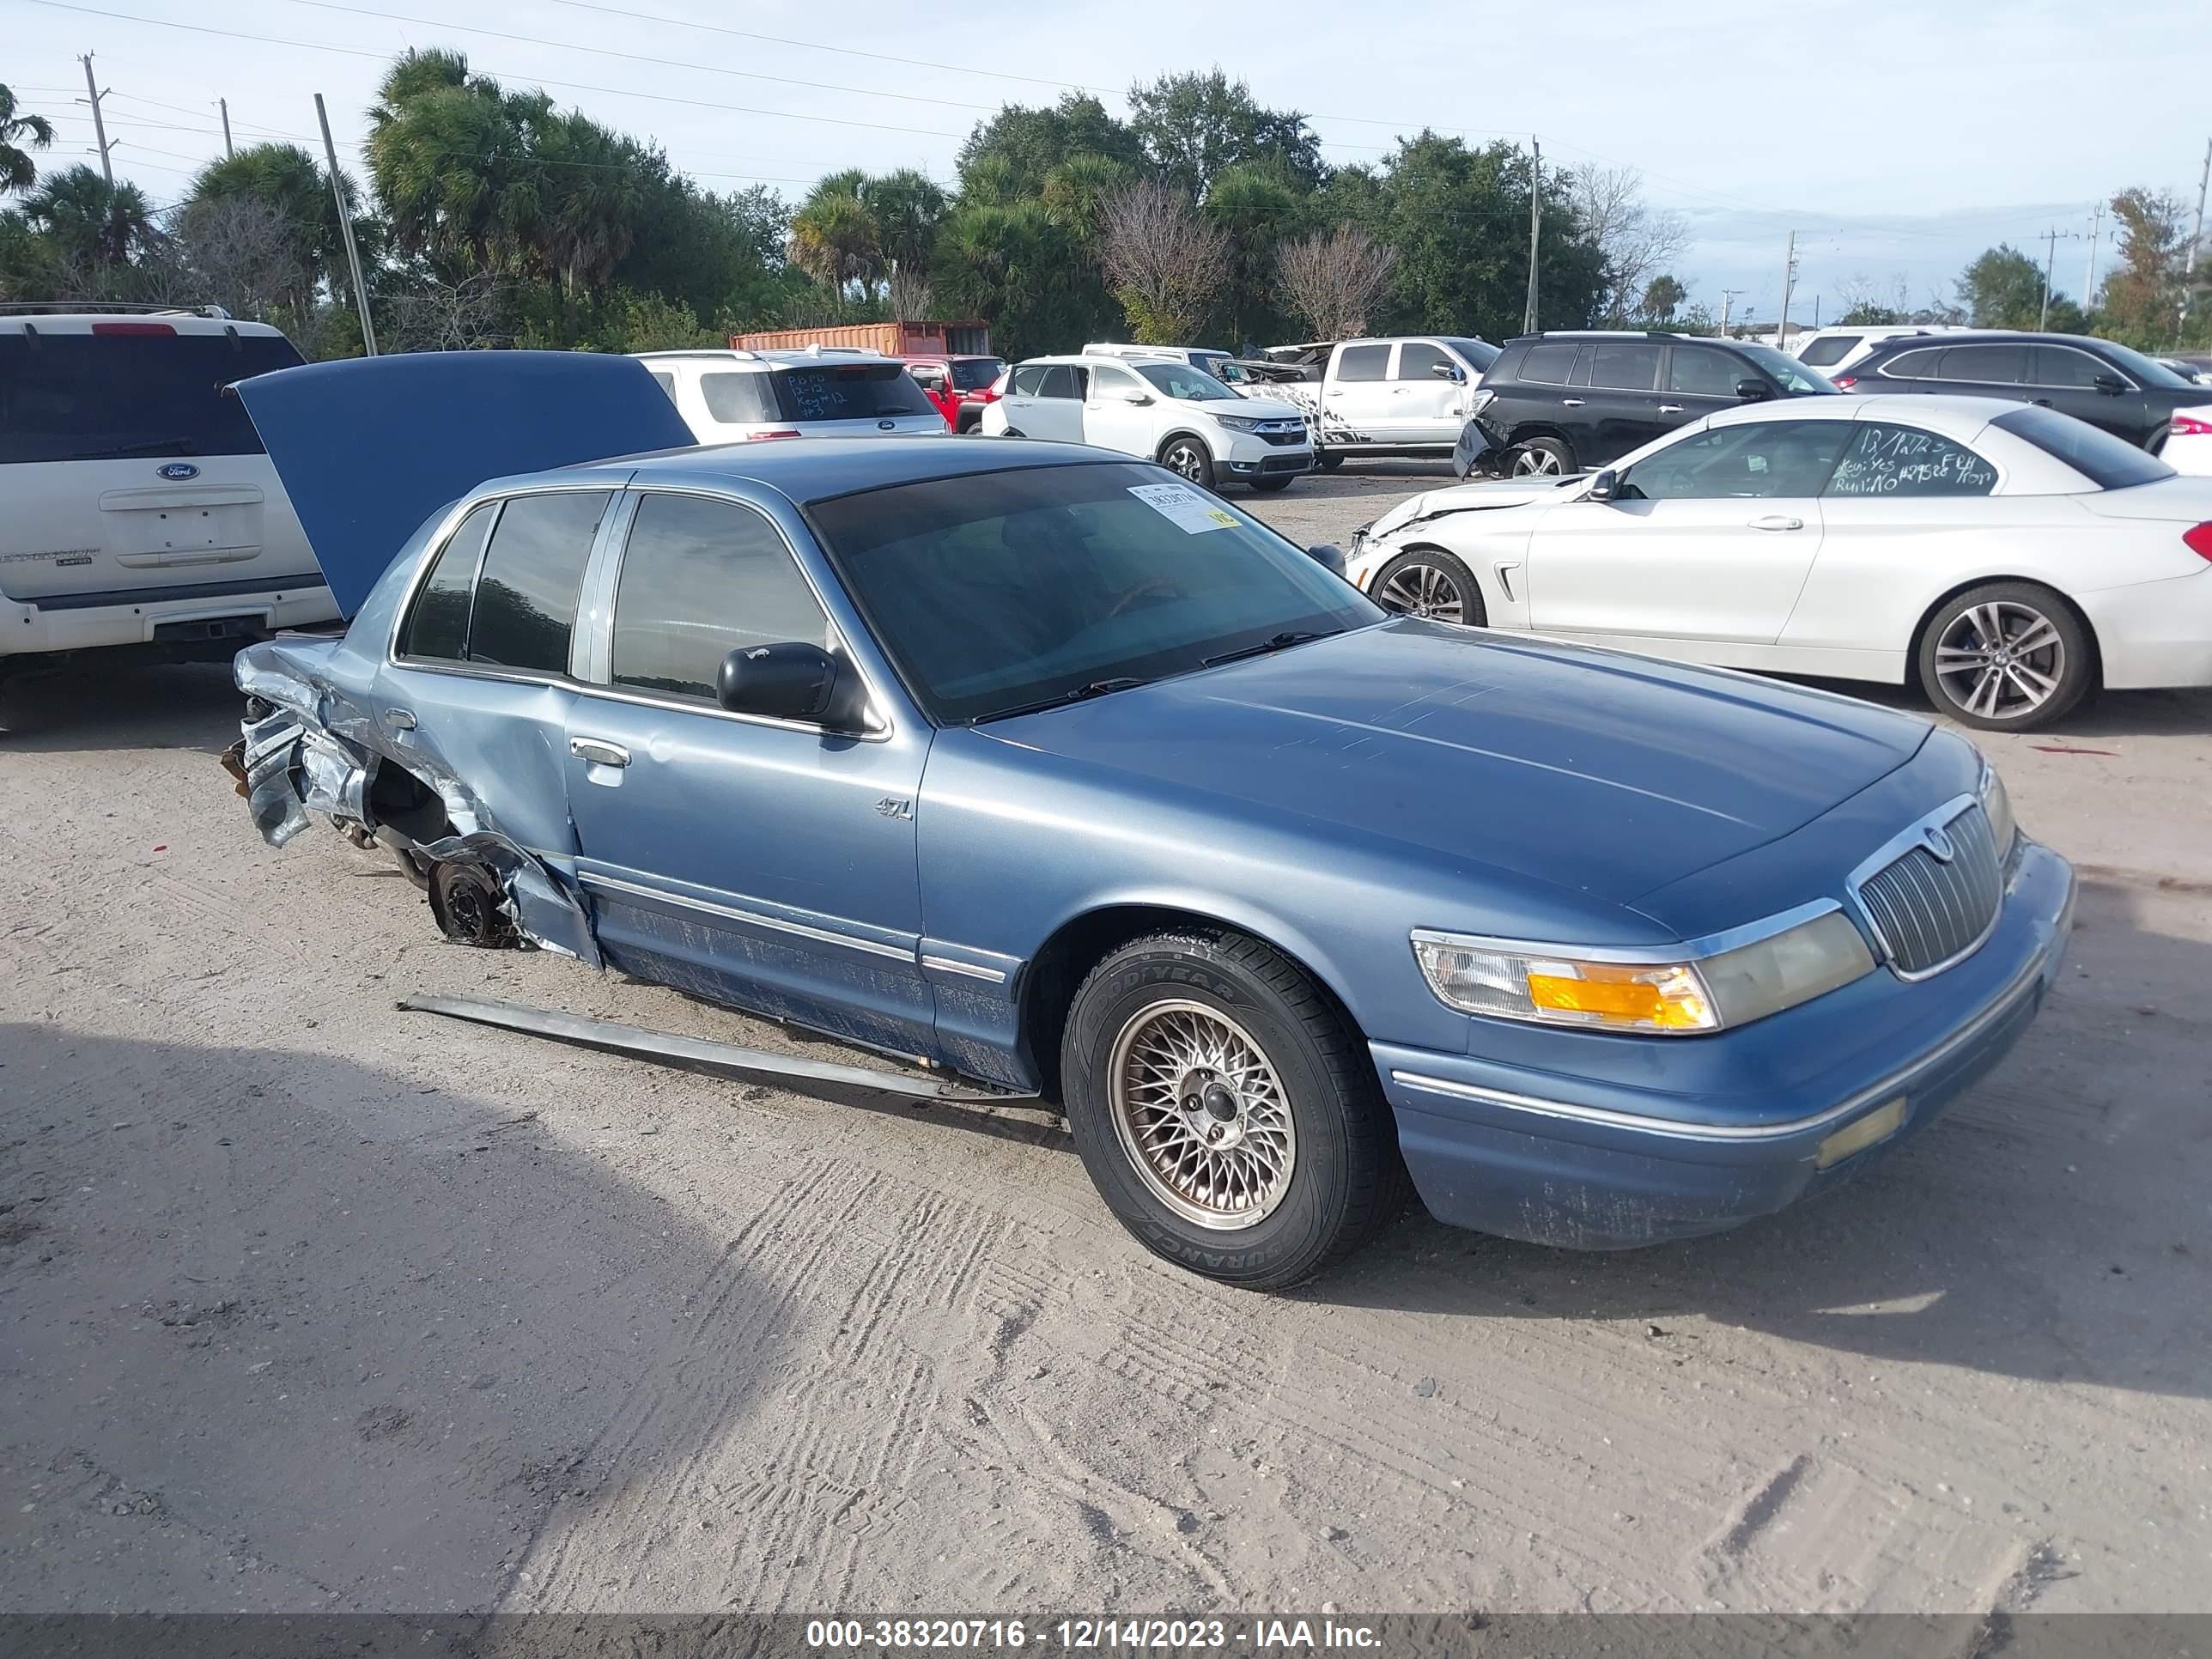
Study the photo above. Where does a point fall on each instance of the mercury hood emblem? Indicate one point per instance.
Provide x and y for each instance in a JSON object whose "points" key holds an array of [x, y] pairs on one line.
{"points": [[1938, 844]]}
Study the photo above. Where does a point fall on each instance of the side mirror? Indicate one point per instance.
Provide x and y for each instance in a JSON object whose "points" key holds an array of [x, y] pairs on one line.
{"points": [[1451, 372], [1753, 390], [1138, 398], [1329, 556], [790, 681], [1604, 486], [2111, 384]]}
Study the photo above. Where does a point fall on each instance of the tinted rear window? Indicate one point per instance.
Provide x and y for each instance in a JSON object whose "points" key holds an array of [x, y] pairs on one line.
{"points": [[858, 391], [974, 373], [2096, 454], [116, 397], [1823, 354], [737, 398], [1549, 365], [525, 604], [1626, 368]]}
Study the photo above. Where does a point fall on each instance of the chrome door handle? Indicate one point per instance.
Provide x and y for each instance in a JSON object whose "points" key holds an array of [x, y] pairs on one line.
{"points": [[1670, 409], [399, 720], [598, 751], [1570, 403], [1777, 521]]}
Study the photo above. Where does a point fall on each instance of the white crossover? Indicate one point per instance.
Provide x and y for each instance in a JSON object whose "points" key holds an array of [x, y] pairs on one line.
{"points": [[2011, 558], [1160, 407]]}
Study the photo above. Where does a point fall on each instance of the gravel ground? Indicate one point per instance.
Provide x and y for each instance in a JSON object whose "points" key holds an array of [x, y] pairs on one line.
{"points": [[306, 1303]]}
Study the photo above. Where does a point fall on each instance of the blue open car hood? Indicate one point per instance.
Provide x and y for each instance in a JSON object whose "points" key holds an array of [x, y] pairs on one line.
{"points": [[369, 447]]}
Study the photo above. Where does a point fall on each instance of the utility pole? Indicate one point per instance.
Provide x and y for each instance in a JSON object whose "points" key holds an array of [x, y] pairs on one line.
{"points": [[1789, 280], [227, 150], [2096, 233], [1728, 300], [2196, 235], [99, 126], [1536, 225], [345, 224]]}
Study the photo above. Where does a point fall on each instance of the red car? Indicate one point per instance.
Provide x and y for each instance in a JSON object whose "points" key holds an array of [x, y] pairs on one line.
{"points": [[959, 384]]}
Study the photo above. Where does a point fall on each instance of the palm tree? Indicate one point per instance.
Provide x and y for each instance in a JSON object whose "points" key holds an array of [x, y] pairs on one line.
{"points": [[834, 238], [90, 220], [18, 173], [292, 185]]}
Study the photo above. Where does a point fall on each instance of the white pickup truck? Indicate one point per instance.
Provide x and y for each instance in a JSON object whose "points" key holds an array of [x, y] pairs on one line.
{"points": [[1406, 396]]}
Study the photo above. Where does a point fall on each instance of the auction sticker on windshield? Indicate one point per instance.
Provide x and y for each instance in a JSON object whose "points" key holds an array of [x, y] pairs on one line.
{"points": [[1184, 508]]}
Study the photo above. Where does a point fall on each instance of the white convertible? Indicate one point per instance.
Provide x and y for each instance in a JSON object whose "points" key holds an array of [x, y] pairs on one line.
{"points": [[2013, 558]]}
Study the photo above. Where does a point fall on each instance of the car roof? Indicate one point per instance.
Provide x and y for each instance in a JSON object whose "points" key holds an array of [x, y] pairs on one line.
{"points": [[2008, 337], [1948, 416], [177, 322], [1620, 334], [778, 358], [816, 469]]}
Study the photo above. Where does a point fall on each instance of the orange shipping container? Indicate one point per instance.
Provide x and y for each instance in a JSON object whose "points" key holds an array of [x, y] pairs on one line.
{"points": [[892, 339]]}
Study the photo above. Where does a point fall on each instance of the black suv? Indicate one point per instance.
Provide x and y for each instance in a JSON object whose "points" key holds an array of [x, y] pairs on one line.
{"points": [[2094, 380], [1565, 403]]}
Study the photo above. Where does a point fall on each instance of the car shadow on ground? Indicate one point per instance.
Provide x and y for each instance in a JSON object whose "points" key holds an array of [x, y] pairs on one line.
{"points": [[288, 1332], [2179, 713], [2051, 1225], [84, 707]]}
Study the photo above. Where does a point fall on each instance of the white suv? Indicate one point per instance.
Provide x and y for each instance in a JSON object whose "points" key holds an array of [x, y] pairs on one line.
{"points": [[1161, 409], [1209, 358], [816, 392], [137, 507], [1833, 351]]}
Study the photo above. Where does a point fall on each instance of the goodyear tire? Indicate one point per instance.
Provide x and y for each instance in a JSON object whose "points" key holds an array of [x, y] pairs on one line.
{"points": [[1227, 1112]]}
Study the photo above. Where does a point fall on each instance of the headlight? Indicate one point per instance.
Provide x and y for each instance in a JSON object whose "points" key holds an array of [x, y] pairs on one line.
{"points": [[1239, 423], [1696, 991], [1997, 807]]}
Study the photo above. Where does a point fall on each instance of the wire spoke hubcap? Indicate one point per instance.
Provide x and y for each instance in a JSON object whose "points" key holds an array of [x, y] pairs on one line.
{"points": [[1422, 590], [2001, 659], [1199, 1111]]}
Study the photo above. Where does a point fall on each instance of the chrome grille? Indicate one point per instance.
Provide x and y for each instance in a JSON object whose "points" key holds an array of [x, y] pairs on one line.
{"points": [[1928, 911]]}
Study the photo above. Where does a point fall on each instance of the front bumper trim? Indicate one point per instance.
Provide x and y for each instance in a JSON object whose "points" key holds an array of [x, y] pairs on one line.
{"points": [[2006, 1003]]}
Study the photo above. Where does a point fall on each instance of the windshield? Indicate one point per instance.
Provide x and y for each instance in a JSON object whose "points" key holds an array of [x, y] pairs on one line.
{"points": [[1181, 380], [114, 396], [999, 591], [974, 373], [1795, 379], [2109, 462], [2149, 370], [1478, 354], [855, 393]]}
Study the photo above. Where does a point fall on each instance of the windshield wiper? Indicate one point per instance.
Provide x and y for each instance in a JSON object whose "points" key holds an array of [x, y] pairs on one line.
{"points": [[1282, 641], [151, 446], [1082, 693]]}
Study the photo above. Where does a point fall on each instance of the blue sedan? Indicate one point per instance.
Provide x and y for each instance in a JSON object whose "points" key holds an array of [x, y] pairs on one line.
{"points": [[1038, 764]]}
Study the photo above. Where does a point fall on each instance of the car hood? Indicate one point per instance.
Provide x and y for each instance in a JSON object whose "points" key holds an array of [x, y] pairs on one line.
{"points": [[1470, 498], [1249, 408], [1589, 769], [368, 447]]}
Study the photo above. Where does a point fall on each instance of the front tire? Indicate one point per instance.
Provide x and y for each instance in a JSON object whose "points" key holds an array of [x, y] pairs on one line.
{"points": [[1190, 459], [1543, 457], [1225, 1111], [1328, 460], [1427, 581], [2006, 656]]}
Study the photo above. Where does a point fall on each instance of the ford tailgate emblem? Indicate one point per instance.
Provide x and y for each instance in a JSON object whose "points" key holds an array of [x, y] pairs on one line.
{"points": [[178, 472], [1938, 844], [887, 426]]}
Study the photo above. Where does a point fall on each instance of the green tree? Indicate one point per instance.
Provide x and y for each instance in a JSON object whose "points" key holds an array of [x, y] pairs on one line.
{"points": [[1259, 209], [2001, 288], [19, 135], [289, 182], [88, 222], [1196, 127], [1008, 158], [2141, 303], [1027, 270], [1662, 297], [834, 239]]}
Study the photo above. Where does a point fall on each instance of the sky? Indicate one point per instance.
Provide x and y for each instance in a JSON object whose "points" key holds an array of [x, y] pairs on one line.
{"points": [[1897, 140]]}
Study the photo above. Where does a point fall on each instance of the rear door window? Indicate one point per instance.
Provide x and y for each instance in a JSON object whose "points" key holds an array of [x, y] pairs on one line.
{"points": [[120, 397], [1363, 362], [1828, 352], [438, 626], [1987, 365], [1028, 379], [526, 604], [1625, 366], [848, 392], [700, 578], [1063, 381], [1703, 374]]}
